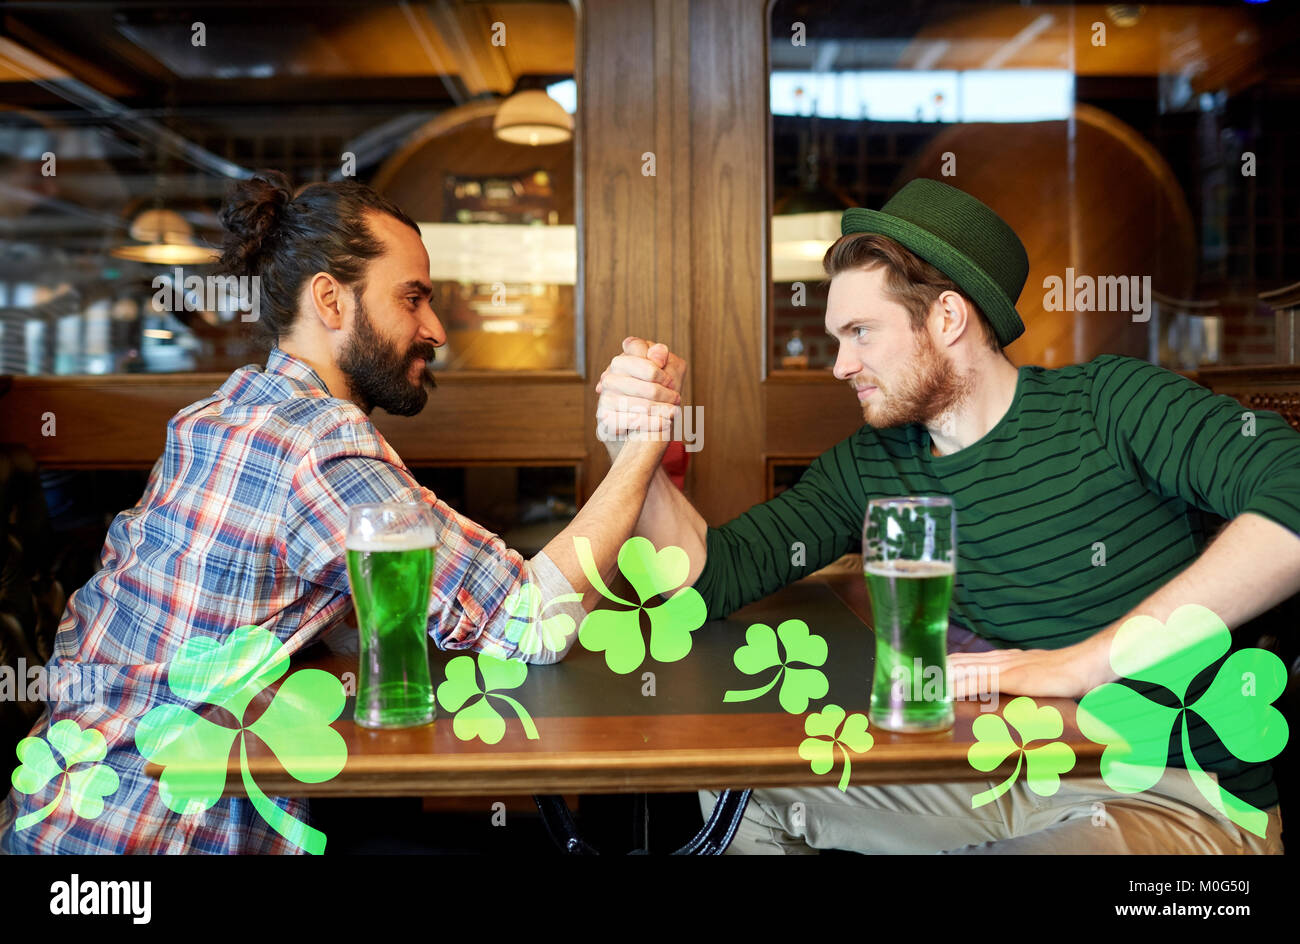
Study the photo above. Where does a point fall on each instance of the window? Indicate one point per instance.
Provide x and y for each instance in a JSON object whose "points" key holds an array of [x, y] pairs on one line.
{"points": [[124, 124]]}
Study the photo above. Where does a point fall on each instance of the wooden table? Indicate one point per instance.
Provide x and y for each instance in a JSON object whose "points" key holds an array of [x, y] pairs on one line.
{"points": [[600, 734]]}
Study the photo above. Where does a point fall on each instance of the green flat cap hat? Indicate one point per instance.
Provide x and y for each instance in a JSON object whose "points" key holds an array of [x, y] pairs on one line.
{"points": [[962, 238]]}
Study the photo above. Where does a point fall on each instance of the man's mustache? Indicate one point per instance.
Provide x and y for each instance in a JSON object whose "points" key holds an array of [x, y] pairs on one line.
{"points": [[428, 353]]}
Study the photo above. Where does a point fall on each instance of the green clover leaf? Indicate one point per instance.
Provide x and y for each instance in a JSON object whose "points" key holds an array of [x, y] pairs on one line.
{"points": [[1044, 766], [525, 626], [760, 652], [479, 718], [1169, 654], [461, 683], [296, 726], [651, 573], [194, 750], [618, 634], [86, 780], [1237, 705], [87, 787], [229, 673], [36, 765], [825, 735], [994, 744], [1135, 731]]}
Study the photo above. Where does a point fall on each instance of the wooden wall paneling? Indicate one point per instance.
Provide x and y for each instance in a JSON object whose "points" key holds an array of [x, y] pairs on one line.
{"points": [[121, 421], [635, 255], [674, 190], [729, 208], [806, 414]]}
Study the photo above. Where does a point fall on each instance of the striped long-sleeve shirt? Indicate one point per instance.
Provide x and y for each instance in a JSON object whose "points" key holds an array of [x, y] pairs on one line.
{"points": [[1112, 460], [242, 523]]}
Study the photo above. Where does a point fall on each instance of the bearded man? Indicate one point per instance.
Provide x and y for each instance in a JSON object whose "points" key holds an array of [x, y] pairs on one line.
{"points": [[1044, 467], [244, 518]]}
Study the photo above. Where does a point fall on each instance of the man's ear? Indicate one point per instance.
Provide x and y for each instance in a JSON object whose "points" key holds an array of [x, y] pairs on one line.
{"points": [[957, 312], [325, 296]]}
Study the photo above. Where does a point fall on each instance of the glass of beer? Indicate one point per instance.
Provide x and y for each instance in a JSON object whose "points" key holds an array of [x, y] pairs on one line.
{"points": [[909, 559], [390, 550]]}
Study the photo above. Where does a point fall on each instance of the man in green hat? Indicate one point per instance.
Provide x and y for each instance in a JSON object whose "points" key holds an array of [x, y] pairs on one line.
{"points": [[1078, 493]]}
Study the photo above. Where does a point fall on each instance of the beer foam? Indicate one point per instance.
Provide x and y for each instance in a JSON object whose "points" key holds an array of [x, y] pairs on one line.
{"points": [[406, 541], [910, 568]]}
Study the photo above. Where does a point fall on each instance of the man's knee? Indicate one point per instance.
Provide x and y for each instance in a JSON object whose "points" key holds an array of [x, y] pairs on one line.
{"points": [[766, 828]]}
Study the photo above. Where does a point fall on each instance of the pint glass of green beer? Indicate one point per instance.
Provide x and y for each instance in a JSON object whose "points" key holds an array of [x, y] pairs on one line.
{"points": [[390, 551], [909, 559]]}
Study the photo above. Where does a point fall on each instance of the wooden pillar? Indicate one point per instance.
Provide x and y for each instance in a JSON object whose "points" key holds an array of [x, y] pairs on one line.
{"points": [[634, 169], [729, 233]]}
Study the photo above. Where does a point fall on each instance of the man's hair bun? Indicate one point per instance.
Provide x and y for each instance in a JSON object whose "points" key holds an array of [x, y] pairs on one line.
{"points": [[251, 217]]}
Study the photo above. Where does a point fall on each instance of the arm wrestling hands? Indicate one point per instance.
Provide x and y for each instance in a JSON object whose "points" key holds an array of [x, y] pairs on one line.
{"points": [[640, 392]]}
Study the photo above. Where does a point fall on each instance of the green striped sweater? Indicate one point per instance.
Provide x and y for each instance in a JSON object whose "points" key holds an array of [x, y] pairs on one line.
{"points": [[1115, 457]]}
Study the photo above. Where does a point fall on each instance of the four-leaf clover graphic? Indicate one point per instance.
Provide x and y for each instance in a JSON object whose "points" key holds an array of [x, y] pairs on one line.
{"points": [[526, 627], [760, 652], [994, 744], [1237, 705], [86, 786], [618, 632], [479, 718], [825, 734], [193, 750]]}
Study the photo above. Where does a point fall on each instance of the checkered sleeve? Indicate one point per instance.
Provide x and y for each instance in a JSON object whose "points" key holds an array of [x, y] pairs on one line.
{"points": [[474, 572]]}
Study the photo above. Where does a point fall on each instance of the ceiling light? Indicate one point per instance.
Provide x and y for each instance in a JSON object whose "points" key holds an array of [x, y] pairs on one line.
{"points": [[164, 237], [1125, 15], [533, 118]]}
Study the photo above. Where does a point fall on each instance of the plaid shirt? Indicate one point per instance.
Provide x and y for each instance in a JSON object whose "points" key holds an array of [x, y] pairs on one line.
{"points": [[242, 522]]}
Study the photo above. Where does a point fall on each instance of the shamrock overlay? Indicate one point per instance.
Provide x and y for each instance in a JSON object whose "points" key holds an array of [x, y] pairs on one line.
{"points": [[479, 719], [829, 729], [618, 632], [194, 750], [526, 628], [1237, 705], [761, 652], [994, 744], [86, 786]]}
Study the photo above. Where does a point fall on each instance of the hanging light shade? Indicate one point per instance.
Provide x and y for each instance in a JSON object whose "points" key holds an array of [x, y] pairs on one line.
{"points": [[164, 237], [533, 118]]}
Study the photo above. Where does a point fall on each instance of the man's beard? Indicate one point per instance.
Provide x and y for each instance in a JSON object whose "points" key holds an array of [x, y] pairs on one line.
{"points": [[377, 373], [933, 389]]}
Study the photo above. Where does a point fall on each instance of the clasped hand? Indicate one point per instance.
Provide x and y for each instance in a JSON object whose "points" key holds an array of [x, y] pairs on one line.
{"points": [[640, 393]]}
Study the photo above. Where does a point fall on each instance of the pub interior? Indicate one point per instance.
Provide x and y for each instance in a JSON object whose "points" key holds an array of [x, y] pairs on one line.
{"points": [[580, 173]]}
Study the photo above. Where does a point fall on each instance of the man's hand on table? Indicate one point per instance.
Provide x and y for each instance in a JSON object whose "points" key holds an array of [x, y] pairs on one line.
{"points": [[1070, 672]]}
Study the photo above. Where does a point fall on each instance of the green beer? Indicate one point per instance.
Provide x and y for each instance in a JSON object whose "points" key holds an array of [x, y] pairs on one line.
{"points": [[909, 560], [390, 576], [909, 601]]}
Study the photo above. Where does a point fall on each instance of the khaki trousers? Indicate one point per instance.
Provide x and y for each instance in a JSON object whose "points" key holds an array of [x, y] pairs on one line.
{"points": [[1084, 816]]}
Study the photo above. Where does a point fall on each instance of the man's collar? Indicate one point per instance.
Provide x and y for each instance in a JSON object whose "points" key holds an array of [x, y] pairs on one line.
{"points": [[280, 362]]}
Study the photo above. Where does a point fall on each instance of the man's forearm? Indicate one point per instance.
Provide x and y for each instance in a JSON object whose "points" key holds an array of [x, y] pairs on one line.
{"points": [[608, 518], [1252, 565], [669, 519]]}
